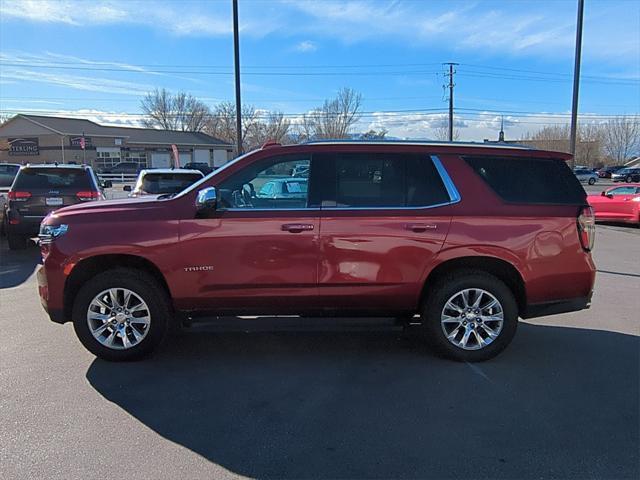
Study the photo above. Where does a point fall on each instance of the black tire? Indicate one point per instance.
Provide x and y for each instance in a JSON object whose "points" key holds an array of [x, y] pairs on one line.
{"points": [[628, 179], [16, 242], [445, 289], [147, 288], [592, 181]]}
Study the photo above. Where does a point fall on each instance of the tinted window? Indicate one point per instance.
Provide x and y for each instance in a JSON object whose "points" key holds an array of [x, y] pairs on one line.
{"points": [[249, 188], [167, 182], [7, 174], [530, 180], [380, 180], [57, 178]]}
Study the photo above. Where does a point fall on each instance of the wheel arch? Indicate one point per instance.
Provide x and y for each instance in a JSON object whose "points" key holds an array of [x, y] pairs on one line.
{"points": [[501, 269], [91, 266]]}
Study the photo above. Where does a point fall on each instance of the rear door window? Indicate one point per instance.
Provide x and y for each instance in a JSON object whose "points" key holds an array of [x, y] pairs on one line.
{"points": [[529, 179], [379, 180], [53, 178]]}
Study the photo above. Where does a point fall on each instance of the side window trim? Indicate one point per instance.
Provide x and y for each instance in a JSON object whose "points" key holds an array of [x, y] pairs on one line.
{"points": [[452, 191]]}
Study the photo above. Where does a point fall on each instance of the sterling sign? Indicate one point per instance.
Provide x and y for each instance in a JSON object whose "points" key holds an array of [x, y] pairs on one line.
{"points": [[24, 146]]}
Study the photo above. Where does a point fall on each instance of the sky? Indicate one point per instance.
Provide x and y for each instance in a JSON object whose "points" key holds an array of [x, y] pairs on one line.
{"points": [[97, 59]]}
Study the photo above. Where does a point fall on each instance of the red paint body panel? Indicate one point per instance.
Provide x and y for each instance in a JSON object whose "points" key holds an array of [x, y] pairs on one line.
{"points": [[618, 208], [347, 260]]}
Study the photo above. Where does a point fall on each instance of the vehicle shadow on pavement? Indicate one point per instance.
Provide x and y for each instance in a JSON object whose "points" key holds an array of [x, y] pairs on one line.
{"points": [[17, 266], [560, 403]]}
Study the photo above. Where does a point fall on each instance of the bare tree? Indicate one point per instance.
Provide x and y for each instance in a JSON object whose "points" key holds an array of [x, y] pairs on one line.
{"points": [[556, 137], [334, 119], [4, 118], [274, 128], [181, 111], [621, 138], [222, 124], [441, 132]]}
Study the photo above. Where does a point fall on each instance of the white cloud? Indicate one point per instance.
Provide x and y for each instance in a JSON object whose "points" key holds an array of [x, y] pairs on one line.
{"points": [[306, 46]]}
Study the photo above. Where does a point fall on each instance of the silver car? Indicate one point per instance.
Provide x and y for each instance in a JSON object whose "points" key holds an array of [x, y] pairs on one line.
{"points": [[586, 175]]}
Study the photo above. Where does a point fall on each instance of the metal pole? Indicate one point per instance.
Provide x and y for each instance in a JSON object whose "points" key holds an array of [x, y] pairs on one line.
{"points": [[576, 84], [84, 150], [62, 147], [451, 102], [236, 58]]}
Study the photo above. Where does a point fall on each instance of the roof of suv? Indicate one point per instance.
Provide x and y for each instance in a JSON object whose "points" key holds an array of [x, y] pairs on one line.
{"points": [[56, 165], [427, 143]]}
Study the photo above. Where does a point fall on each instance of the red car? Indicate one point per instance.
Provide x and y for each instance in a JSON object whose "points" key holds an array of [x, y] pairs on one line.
{"points": [[471, 237], [617, 204]]}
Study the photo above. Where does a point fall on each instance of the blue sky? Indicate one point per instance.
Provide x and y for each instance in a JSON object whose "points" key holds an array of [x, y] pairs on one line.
{"points": [[516, 58]]}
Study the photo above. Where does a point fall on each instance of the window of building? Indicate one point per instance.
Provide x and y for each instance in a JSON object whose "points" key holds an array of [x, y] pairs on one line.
{"points": [[107, 157], [138, 157]]}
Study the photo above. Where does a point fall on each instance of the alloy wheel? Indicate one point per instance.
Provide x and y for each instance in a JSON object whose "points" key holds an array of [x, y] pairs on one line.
{"points": [[472, 319], [118, 318]]}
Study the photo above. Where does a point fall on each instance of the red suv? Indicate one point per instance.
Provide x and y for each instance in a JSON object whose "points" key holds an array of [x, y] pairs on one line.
{"points": [[470, 237]]}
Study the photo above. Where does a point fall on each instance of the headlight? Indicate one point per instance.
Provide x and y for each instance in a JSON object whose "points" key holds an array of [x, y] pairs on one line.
{"points": [[49, 232]]}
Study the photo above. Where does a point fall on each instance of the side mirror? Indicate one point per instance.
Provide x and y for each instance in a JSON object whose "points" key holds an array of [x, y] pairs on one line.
{"points": [[206, 200], [106, 184], [126, 188], [604, 193]]}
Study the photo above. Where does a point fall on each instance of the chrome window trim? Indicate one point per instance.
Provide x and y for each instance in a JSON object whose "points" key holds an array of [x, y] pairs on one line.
{"points": [[454, 195]]}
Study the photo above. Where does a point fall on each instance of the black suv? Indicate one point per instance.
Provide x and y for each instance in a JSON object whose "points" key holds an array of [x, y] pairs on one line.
{"points": [[123, 168], [40, 189], [201, 166]]}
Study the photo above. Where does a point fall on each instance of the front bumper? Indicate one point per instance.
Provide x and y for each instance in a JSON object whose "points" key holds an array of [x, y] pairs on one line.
{"points": [[51, 283]]}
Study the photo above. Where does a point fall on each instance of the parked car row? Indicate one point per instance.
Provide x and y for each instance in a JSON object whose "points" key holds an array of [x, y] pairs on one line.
{"points": [[29, 193], [627, 175], [128, 168]]}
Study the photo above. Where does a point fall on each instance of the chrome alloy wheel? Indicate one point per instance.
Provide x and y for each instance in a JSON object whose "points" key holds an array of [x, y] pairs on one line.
{"points": [[118, 318], [472, 319]]}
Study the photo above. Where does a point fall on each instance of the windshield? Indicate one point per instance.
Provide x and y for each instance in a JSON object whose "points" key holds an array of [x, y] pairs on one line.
{"points": [[166, 182]]}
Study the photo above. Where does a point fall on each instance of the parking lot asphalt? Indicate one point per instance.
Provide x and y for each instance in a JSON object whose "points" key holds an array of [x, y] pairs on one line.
{"points": [[220, 402]]}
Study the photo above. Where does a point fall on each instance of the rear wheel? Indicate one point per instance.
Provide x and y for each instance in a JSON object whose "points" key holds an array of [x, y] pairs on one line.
{"points": [[470, 316], [628, 179], [592, 181], [16, 242], [121, 315]]}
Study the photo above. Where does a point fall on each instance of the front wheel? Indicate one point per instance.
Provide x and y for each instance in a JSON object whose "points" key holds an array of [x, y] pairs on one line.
{"points": [[121, 315], [470, 316]]}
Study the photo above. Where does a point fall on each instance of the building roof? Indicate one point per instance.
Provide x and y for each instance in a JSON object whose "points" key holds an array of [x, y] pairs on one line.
{"points": [[80, 126]]}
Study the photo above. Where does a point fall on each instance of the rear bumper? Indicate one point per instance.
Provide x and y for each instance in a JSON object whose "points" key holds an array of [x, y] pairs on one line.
{"points": [[22, 225], [557, 306]]}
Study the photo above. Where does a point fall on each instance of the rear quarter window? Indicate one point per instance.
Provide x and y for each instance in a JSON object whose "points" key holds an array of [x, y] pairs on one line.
{"points": [[529, 180], [53, 178]]}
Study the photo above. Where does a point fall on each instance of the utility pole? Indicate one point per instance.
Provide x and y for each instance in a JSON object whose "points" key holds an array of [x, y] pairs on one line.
{"points": [[451, 85], [236, 59], [576, 83]]}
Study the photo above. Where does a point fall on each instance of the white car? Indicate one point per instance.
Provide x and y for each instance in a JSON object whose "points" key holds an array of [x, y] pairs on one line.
{"points": [[586, 175], [162, 181], [8, 172]]}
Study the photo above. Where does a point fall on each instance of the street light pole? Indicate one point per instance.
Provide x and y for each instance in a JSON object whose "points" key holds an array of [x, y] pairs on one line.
{"points": [[576, 83], [236, 57]]}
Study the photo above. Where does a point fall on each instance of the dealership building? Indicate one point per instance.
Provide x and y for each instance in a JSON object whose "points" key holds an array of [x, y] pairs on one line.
{"points": [[42, 139]]}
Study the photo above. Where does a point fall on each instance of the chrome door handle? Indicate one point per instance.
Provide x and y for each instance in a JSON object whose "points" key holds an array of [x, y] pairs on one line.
{"points": [[297, 227], [420, 227]]}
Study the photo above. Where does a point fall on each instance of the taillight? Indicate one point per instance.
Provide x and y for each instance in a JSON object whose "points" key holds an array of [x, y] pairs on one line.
{"points": [[19, 196], [87, 195], [587, 228]]}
